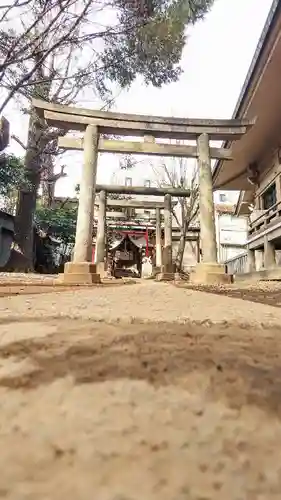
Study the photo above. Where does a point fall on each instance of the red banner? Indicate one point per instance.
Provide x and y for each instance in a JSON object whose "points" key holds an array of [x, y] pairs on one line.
{"points": [[146, 241]]}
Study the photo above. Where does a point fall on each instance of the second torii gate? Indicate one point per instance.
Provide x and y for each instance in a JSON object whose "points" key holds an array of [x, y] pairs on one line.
{"points": [[94, 124], [163, 262], [167, 205]]}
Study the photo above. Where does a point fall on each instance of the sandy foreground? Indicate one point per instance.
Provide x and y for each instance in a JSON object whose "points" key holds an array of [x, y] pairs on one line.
{"points": [[139, 392]]}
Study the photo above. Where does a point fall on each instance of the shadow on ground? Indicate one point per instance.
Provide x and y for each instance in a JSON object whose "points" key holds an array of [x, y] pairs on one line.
{"points": [[241, 366]]}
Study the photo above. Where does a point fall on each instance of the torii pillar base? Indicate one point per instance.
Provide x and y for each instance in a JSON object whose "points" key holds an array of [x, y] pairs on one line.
{"points": [[101, 269], [79, 273], [210, 274], [165, 276]]}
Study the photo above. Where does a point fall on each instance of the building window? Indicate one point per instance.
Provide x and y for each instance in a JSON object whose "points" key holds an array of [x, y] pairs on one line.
{"points": [[269, 197], [222, 198], [147, 183], [128, 181]]}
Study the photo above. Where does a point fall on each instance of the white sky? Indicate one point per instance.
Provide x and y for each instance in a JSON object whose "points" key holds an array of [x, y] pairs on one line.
{"points": [[215, 61]]}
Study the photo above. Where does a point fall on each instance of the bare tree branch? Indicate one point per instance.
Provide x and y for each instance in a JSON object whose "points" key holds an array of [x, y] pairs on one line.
{"points": [[54, 49], [177, 172], [8, 7], [40, 57], [15, 138]]}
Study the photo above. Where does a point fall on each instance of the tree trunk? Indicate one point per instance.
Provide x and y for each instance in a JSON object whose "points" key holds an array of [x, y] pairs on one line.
{"points": [[28, 195], [181, 247], [180, 252], [48, 192], [48, 188], [24, 225]]}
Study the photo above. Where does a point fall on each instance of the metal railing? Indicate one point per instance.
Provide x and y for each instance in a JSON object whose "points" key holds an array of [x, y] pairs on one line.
{"points": [[237, 265], [262, 221]]}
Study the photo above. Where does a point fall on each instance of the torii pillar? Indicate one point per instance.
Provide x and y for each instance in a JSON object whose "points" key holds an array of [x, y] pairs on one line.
{"points": [[82, 270], [208, 271], [167, 267], [101, 230], [158, 240]]}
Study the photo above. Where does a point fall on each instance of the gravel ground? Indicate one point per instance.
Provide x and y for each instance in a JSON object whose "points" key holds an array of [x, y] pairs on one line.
{"points": [[26, 277], [136, 406], [146, 301], [267, 292]]}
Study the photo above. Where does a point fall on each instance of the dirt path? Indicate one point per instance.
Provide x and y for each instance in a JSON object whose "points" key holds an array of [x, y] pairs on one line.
{"points": [[139, 411], [145, 301]]}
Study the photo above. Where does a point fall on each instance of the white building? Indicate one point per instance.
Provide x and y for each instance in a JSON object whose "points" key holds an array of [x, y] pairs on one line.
{"points": [[231, 230]]}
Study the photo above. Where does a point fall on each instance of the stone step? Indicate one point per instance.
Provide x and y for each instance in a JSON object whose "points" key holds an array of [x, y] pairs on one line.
{"points": [[165, 277], [211, 278], [78, 278]]}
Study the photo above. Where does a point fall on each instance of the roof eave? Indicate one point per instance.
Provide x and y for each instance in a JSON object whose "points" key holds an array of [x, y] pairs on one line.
{"points": [[244, 94]]}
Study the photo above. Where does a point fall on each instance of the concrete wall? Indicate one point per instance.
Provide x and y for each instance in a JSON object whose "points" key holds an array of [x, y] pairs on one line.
{"points": [[231, 232], [230, 252]]}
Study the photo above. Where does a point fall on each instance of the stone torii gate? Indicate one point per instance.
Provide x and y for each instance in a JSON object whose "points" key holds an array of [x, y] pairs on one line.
{"points": [[93, 124], [167, 267], [167, 205], [142, 190]]}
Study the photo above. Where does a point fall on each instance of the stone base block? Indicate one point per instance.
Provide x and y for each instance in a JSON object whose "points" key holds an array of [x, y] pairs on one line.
{"points": [[210, 274], [78, 279], [101, 269], [178, 277], [165, 277], [79, 273], [156, 270], [80, 267]]}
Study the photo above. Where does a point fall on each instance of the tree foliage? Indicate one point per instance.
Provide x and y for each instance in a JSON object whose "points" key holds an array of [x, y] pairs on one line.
{"points": [[127, 162], [12, 174], [59, 222], [152, 48], [148, 35]]}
